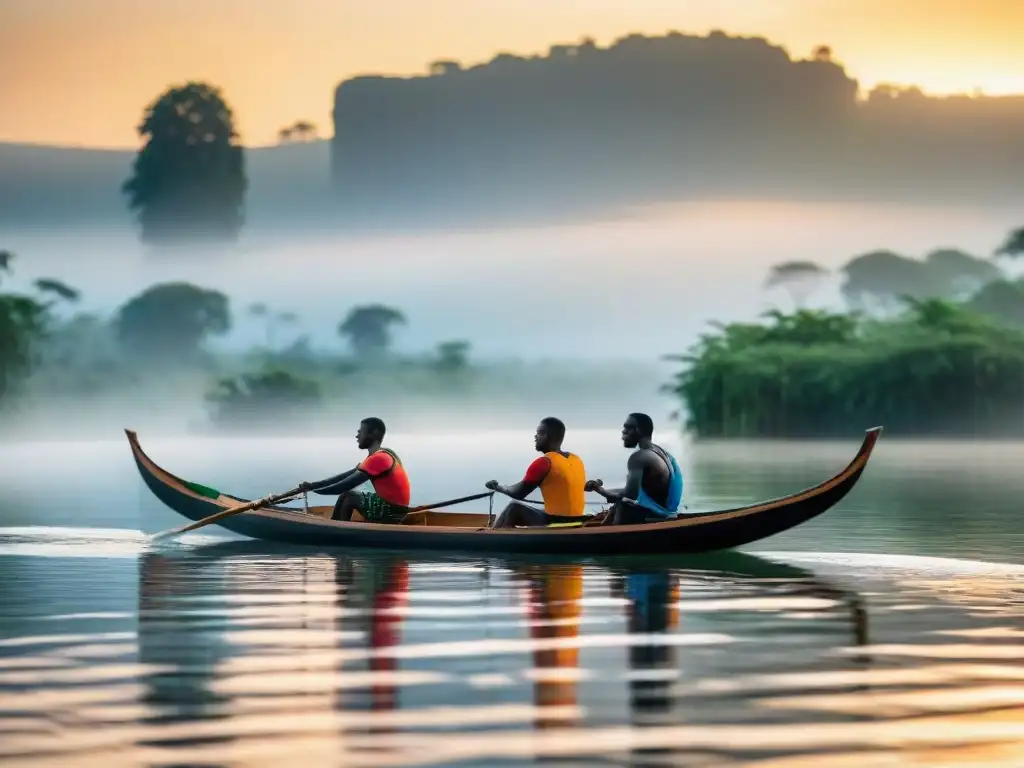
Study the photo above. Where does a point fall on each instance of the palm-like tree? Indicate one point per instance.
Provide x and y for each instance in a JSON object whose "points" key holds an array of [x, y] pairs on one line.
{"points": [[799, 278]]}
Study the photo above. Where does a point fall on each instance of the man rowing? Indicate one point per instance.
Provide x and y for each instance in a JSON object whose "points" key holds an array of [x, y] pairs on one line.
{"points": [[560, 475], [389, 501], [654, 482]]}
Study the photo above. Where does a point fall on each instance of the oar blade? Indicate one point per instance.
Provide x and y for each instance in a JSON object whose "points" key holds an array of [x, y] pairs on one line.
{"points": [[226, 513]]}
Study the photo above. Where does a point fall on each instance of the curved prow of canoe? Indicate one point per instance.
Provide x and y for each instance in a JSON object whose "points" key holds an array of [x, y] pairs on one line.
{"points": [[689, 533]]}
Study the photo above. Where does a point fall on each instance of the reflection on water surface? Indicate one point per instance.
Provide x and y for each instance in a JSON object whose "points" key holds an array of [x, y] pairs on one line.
{"points": [[235, 654]]}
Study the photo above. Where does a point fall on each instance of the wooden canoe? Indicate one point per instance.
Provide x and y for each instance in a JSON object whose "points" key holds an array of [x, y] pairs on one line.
{"points": [[689, 533]]}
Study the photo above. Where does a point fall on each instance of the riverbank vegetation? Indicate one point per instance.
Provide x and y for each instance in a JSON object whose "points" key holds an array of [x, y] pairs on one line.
{"points": [[925, 347], [182, 357]]}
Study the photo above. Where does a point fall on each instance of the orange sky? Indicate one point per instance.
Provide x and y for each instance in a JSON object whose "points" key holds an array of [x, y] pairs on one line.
{"points": [[81, 71]]}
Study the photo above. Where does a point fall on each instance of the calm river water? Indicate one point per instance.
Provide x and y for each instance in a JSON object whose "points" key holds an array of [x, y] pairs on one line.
{"points": [[886, 633]]}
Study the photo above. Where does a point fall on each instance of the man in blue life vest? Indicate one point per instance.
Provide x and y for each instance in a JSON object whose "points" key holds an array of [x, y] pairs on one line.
{"points": [[654, 482]]}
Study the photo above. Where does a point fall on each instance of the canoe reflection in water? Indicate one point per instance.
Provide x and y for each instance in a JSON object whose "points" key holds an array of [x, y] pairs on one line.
{"points": [[333, 658]]}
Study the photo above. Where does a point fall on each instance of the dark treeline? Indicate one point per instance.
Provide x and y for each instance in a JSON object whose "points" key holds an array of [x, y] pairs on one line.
{"points": [[658, 118], [931, 346]]}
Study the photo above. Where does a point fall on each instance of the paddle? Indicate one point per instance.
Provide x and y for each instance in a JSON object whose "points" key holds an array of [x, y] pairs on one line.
{"points": [[585, 521], [227, 513], [287, 495], [450, 502]]}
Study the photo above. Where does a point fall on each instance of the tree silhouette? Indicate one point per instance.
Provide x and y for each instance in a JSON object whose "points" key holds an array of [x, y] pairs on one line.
{"points": [[453, 356], [799, 278], [880, 279], [171, 320], [6, 257], [962, 273], [300, 130], [188, 181], [305, 130], [1014, 244], [368, 329]]}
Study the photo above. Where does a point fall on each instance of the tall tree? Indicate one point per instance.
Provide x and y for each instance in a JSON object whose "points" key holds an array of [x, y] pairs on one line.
{"points": [[368, 329], [171, 320], [188, 181]]}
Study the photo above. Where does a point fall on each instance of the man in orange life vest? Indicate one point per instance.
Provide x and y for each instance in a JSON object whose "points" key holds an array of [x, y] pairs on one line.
{"points": [[389, 501], [560, 475]]}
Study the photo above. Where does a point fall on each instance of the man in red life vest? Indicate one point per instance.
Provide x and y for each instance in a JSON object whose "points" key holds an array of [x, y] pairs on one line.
{"points": [[389, 500]]}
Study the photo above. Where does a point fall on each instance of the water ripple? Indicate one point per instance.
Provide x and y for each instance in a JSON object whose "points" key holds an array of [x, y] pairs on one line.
{"points": [[219, 654]]}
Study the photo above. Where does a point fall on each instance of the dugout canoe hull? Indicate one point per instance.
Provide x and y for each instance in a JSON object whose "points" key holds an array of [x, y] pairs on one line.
{"points": [[688, 534]]}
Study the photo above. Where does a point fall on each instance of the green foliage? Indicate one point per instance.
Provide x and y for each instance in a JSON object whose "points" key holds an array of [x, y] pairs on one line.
{"points": [[171, 320], [23, 323], [1001, 301], [253, 399], [938, 368], [1013, 245], [368, 329], [188, 181]]}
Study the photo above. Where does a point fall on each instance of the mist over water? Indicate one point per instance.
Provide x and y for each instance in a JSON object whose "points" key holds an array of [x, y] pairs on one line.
{"points": [[589, 306], [633, 286]]}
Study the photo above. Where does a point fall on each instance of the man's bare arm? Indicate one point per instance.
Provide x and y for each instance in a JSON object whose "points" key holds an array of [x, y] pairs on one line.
{"points": [[634, 478]]}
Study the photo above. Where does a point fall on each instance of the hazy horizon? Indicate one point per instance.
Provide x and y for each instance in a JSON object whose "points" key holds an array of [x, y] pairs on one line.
{"points": [[569, 290]]}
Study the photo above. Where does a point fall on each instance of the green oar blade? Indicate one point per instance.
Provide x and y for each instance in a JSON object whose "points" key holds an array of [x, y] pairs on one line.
{"points": [[203, 490]]}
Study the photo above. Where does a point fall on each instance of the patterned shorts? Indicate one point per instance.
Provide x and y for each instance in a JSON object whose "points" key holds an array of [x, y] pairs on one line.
{"points": [[374, 509]]}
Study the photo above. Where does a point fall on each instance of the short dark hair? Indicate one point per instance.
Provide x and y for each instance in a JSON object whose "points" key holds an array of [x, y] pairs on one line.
{"points": [[554, 426], [377, 425], [643, 423]]}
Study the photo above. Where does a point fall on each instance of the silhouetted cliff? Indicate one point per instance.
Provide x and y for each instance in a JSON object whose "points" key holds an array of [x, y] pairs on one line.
{"points": [[659, 118]]}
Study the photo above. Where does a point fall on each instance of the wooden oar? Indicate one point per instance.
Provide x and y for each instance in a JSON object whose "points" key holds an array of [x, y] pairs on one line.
{"points": [[227, 513], [585, 519], [450, 502]]}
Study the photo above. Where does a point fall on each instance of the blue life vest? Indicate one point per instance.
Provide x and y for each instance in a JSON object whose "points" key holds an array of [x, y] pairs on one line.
{"points": [[675, 491]]}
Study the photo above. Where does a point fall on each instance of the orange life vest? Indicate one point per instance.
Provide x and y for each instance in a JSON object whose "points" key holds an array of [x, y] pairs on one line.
{"points": [[562, 487]]}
